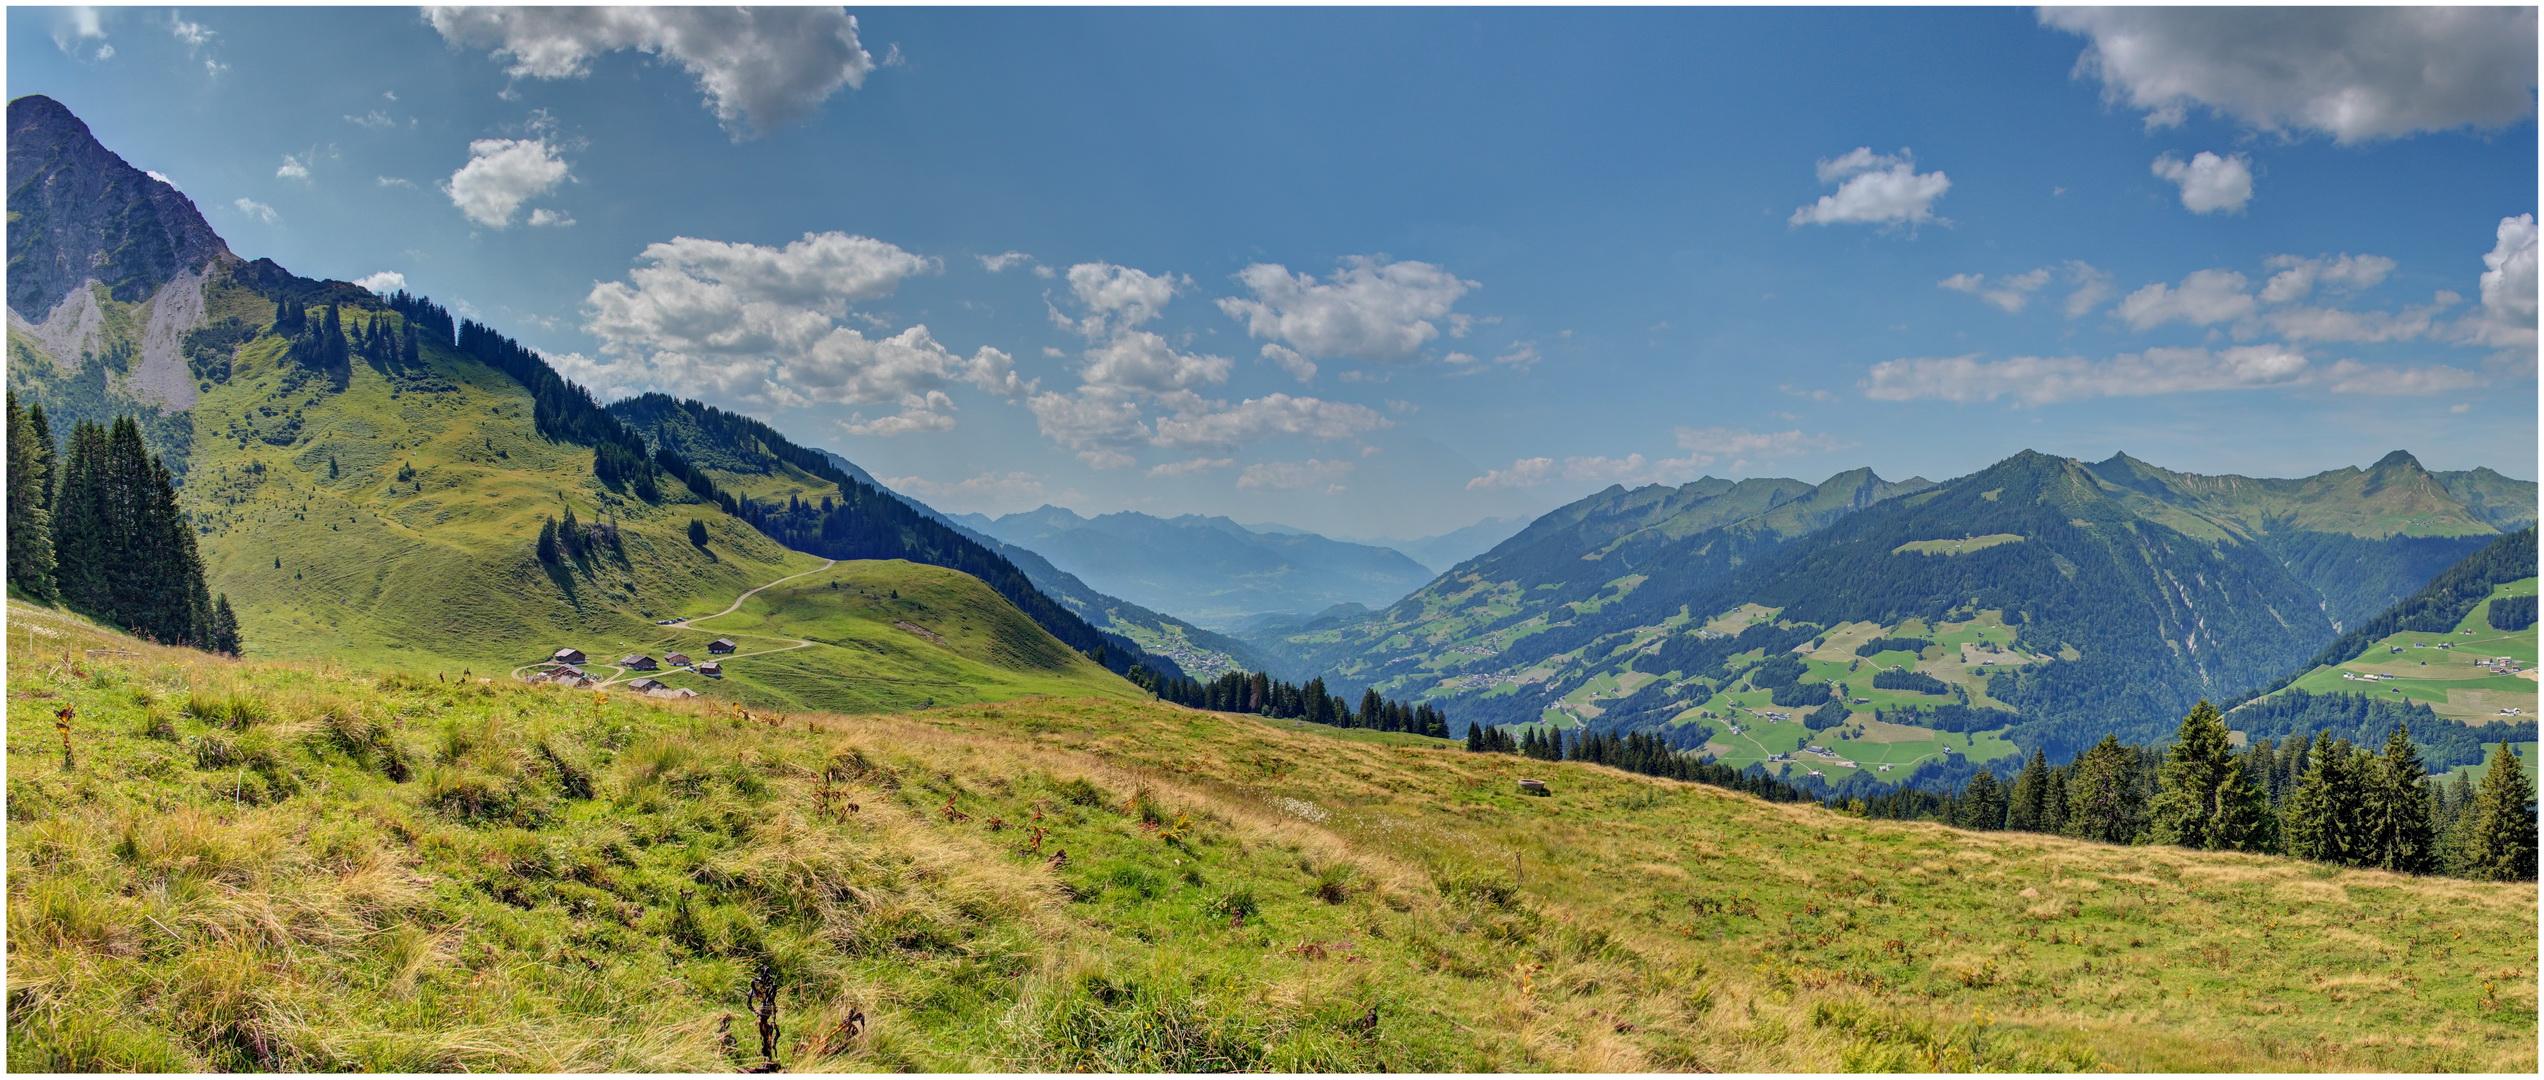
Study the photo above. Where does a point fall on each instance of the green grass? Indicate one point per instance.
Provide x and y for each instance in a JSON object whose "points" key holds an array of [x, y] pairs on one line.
{"points": [[282, 866], [2450, 680], [1956, 547]]}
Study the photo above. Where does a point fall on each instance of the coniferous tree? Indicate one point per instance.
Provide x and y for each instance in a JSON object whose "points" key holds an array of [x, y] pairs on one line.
{"points": [[2323, 818], [2397, 808], [2103, 801], [2204, 798], [80, 525], [548, 541], [2056, 820], [225, 630], [2027, 806], [31, 567], [2500, 828], [1982, 803]]}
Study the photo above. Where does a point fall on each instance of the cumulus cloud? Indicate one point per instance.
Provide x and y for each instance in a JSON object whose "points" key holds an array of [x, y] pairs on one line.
{"points": [[749, 323], [758, 67], [1138, 360], [1369, 309], [1874, 189], [382, 283], [2297, 275], [501, 174], [2508, 287], [1191, 467], [2010, 293], [2092, 287], [1214, 425], [2203, 298], [1005, 261], [2308, 323], [1116, 297], [2355, 73], [257, 210], [2353, 377], [1294, 475], [74, 27], [2210, 184]]}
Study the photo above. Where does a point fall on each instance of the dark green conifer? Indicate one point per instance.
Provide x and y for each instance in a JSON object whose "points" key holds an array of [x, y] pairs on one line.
{"points": [[2103, 801], [2500, 829], [2204, 798], [2322, 820], [31, 568], [2027, 808], [2397, 808]]}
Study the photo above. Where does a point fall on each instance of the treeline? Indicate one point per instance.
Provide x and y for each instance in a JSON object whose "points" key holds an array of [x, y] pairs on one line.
{"points": [[2364, 719], [1637, 752], [1260, 694], [568, 413], [2512, 613], [97, 528], [1915, 681], [2326, 799]]}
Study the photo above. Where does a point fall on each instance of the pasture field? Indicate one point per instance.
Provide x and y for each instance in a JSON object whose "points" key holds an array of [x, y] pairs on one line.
{"points": [[275, 865], [2456, 673]]}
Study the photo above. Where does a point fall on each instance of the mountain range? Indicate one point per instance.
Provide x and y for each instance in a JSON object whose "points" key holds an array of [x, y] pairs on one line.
{"points": [[1208, 569]]}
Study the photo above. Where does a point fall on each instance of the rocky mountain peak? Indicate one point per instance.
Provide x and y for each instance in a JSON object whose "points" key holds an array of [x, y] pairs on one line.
{"points": [[80, 212]]}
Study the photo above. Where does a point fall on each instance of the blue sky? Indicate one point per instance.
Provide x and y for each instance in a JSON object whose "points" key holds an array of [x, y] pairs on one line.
{"points": [[1386, 272]]}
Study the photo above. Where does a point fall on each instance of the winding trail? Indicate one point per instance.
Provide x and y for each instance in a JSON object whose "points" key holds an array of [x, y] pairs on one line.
{"points": [[620, 674]]}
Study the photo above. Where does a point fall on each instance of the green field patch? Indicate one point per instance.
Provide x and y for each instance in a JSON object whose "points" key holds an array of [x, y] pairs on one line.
{"points": [[1740, 618], [1962, 546]]}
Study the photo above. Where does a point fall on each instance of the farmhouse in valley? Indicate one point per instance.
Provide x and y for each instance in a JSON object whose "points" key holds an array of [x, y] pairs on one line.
{"points": [[720, 646]]}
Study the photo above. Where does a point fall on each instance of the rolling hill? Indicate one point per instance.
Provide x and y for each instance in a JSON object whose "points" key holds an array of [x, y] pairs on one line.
{"points": [[268, 865]]}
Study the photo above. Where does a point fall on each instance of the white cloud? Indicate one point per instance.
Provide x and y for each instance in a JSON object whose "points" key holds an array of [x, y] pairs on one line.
{"points": [[2210, 184], [988, 492], [2092, 288], [294, 168], [1191, 467], [2205, 297], [1368, 309], [744, 322], [2508, 287], [1878, 189], [74, 27], [1092, 421], [257, 210], [2041, 380], [2010, 293], [375, 120], [758, 67], [1213, 425], [2355, 73], [2353, 377], [1116, 297], [1001, 263], [1630, 469], [544, 218], [2297, 275], [382, 283], [1293, 475], [194, 35], [394, 181], [159, 176], [1522, 355], [1138, 360], [501, 174], [1304, 369]]}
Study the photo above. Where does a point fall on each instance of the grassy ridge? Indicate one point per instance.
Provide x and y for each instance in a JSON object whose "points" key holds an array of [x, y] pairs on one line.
{"points": [[235, 876]]}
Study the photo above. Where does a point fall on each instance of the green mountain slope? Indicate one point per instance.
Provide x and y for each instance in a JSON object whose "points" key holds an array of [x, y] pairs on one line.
{"points": [[269, 866], [2110, 596], [370, 480]]}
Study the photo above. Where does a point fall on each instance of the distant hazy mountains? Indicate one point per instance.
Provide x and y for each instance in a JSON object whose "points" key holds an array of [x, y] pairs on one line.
{"points": [[1441, 553], [1209, 570]]}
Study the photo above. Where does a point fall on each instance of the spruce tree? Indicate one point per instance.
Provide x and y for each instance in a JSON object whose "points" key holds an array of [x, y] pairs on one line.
{"points": [[2027, 808], [2322, 820], [2500, 829], [2204, 798], [1983, 802], [225, 629], [31, 568], [2102, 794], [79, 521], [2397, 808]]}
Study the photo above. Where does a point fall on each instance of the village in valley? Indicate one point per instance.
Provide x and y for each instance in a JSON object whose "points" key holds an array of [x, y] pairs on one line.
{"points": [[568, 667]]}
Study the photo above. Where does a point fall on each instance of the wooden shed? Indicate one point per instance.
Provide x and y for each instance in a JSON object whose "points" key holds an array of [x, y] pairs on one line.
{"points": [[638, 663], [645, 686], [720, 646], [567, 656], [710, 669], [676, 659]]}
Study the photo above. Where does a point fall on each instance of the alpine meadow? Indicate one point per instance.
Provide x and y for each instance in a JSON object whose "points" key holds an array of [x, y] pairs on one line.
{"points": [[1149, 540]]}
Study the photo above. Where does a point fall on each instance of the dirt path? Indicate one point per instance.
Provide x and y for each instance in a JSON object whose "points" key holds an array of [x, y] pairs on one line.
{"points": [[620, 674]]}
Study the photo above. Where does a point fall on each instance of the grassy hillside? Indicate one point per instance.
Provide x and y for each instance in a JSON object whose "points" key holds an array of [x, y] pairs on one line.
{"points": [[867, 636], [278, 865], [2459, 673]]}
